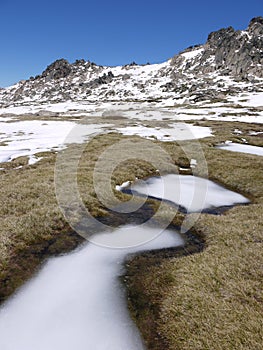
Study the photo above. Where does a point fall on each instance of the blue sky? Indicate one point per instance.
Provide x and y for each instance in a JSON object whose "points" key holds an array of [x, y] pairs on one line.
{"points": [[35, 33]]}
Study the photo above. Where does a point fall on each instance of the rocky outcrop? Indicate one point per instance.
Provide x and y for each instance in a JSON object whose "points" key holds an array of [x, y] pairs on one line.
{"points": [[104, 79], [240, 52], [58, 69], [235, 53]]}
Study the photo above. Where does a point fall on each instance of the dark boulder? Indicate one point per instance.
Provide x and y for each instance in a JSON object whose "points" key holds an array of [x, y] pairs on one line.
{"points": [[104, 79]]}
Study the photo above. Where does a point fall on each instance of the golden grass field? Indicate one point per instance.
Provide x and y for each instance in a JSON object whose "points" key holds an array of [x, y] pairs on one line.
{"points": [[209, 298]]}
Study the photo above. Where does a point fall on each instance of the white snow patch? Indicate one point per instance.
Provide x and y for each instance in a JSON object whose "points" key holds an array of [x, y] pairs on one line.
{"points": [[248, 99], [177, 131], [67, 107], [191, 192], [33, 160], [192, 54], [5, 119], [256, 100], [255, 133], [25, 138], [236, 147], [122, 186], [193, 163]]}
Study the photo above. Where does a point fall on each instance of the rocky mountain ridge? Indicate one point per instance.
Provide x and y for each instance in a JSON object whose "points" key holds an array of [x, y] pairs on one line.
{"points": [[229, 62]]}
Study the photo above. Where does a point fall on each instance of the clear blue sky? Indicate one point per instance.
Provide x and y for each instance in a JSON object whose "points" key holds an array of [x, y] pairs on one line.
{"points": [[113, 32]]}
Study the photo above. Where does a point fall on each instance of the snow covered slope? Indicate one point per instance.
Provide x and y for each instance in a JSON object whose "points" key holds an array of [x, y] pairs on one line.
{"points": [[228, 64]]}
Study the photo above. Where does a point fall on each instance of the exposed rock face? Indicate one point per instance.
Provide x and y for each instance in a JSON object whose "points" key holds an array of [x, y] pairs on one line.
{"points": [[239, 52], [210, 71]]}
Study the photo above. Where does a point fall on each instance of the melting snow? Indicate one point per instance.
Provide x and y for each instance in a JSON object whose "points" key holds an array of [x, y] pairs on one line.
{"points": [[191, 192], [236, 147], [25, 138], [177, 131], [192, 54], [252, 99], [122, 186]]}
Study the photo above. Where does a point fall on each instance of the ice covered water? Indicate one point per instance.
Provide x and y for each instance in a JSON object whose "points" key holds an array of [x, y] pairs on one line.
{"points": [[77, 302]]}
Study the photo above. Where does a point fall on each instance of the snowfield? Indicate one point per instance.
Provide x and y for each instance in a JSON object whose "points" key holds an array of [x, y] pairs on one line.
{"points": [[26, 138]]}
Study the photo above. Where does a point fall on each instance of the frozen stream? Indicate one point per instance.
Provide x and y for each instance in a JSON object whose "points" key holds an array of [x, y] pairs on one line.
{"points": [[76, 301]]}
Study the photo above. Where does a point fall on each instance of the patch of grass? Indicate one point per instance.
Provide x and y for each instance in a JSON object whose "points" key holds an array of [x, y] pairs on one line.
{"points": [[215, 299]]}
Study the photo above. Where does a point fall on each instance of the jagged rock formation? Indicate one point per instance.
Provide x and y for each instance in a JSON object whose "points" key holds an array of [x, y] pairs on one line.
{"points": [[238, 53], [201, 72]]}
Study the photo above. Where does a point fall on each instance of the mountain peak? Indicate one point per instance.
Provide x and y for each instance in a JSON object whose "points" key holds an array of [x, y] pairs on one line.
{"points": [[228, 55]]}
